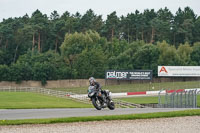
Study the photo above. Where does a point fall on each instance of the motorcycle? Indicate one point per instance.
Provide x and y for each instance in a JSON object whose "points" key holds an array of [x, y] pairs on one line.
{"points": [[100, 99]]}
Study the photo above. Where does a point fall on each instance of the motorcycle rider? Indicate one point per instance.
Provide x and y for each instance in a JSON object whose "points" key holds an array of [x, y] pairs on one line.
{"points": [[94, 83]]}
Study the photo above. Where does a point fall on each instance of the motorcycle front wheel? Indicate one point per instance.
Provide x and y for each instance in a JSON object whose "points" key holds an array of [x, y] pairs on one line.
{"points": [[96, 103]]}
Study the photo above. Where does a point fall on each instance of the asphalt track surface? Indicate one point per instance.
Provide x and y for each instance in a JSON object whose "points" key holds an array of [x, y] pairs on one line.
{"points": [[14, 114]]}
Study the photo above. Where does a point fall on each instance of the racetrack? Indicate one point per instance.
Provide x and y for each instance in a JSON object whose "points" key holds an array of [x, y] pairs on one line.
{"points": [[14, 114]]}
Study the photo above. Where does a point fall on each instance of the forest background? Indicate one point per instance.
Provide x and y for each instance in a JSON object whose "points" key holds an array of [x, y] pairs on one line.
{"points": [[76, 46]]}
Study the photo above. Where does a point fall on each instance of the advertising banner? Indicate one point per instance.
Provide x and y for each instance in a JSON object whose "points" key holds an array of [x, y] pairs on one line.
{"points": [[129, 74], [179, 71]]}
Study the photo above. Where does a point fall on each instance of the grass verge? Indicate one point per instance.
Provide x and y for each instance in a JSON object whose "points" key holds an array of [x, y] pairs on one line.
{"points": [[28, 100], [195, 112]]}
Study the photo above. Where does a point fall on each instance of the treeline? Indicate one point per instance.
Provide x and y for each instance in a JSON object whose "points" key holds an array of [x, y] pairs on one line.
{"points": [[88, 54], [78, 46]]}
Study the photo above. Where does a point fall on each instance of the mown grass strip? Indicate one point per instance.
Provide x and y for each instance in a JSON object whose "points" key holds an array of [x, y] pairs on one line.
{"points": [[195, 112], [29, 100]]}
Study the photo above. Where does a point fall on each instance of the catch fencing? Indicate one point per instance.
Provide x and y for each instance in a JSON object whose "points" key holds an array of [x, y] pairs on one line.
{"points": [[178, 99]]}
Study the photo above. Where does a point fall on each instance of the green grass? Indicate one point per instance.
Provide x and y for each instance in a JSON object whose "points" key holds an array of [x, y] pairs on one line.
{"points": [[28, 100], [102, 118], [136, 87]]}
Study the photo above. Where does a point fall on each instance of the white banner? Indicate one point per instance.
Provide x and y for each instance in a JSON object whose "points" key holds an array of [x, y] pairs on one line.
{"points": [[179, 71]]}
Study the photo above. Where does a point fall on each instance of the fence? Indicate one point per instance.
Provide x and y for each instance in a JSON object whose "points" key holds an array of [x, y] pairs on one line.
{"points": [[178, 99]]}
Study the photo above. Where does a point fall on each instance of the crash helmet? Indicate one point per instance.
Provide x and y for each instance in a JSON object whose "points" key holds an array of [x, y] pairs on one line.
{"points": [[92, 80]]}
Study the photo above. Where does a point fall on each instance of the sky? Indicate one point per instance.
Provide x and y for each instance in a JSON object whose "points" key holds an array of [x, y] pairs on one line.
{"points": [[18, 8]]}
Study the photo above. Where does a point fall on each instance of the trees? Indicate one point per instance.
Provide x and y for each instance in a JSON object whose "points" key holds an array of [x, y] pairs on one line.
{"points": [[43, 66], [111, 26], [125, 27], [196, 31], [126, 42], [148, 31], [6, 32], [4, 72], [48, 33], [39, 23], [183, 25], [5, 57], [57, 30], [77, 45], [90, 63], [133, 26], [147, 57], [168, 54], [195, 55], [11, 39], [125, 59], [90, 21], [162, 25], [184, 52]]}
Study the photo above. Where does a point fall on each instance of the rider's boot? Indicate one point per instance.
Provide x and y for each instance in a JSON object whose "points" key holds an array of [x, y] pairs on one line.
{"points": [[104, 100]]}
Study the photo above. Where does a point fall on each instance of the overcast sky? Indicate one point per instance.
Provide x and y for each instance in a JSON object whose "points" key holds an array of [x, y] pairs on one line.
{"points": [[17, 8]]}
